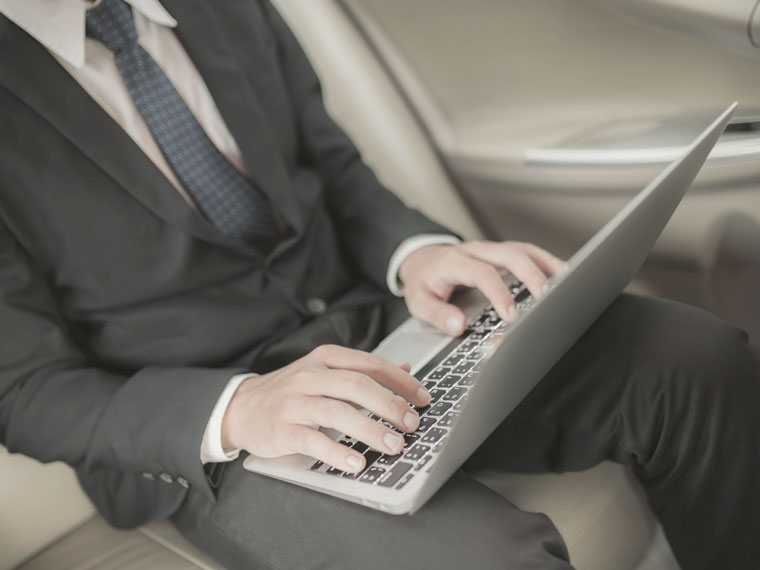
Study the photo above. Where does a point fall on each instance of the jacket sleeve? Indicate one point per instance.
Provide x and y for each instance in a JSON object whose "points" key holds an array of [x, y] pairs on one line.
{"points": [[120, 432], [371, 221]]}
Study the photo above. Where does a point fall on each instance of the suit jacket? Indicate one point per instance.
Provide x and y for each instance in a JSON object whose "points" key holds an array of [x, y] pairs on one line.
{"points": [[123, 312]]}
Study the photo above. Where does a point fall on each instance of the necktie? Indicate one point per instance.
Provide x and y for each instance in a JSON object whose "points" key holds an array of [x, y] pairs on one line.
{"points": [[220, 191]]}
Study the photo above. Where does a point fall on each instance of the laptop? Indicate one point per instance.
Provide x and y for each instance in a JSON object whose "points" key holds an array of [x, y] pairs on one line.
{"points": [[477, 379]]}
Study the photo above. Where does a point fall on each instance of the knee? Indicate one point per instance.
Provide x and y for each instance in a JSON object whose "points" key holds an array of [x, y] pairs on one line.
{"points": [[693, 355]]}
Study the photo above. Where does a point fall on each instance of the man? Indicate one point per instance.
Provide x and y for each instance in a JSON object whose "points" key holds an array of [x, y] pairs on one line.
{"points": [[179, 212]]}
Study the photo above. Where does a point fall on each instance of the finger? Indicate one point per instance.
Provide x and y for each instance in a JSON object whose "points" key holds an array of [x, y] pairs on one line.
{"points": [[550, 264], [377, 368], [485, 277], [315, 444], [442, 315], [526, 270], [515, 258], [338, 415], [358, 388]]}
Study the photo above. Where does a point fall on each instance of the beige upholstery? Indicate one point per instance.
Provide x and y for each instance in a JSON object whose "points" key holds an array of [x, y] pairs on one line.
{"points": [[46, 522], [601, 513], [37, 506], [94, 544], [362, 97]]}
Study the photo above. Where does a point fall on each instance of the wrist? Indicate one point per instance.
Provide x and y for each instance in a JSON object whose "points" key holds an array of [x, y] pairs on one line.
{"points": [[227, 432], [417, 259]]}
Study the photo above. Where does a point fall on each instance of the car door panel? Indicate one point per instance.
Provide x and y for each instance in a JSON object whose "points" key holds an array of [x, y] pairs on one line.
{"points": [[551, 114]]}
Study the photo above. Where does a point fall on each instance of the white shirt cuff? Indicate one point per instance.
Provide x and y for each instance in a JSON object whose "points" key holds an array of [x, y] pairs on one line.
{"points": [[211, 444], [409, 246]]}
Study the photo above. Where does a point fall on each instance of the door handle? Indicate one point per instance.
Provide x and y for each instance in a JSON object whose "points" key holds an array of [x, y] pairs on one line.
{"points": [[738, 142]]}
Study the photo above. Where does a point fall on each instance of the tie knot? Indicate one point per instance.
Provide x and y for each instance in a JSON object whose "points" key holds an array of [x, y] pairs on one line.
{"points": [[111, 23]]}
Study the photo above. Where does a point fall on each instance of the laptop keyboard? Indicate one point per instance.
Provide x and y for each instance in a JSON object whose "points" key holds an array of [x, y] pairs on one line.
{"points": [[448, 382]]}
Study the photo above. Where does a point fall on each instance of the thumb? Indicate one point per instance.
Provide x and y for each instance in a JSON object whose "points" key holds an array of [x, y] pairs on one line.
{"points": [[438, 313]]}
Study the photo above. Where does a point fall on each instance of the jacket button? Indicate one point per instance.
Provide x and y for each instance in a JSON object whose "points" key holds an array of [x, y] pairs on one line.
{"points": [[148, 476], [166, 478], [316, 306], [183, 482]]}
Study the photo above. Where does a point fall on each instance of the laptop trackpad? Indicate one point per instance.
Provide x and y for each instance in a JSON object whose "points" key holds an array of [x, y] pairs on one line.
{"points": [[413, 342]]}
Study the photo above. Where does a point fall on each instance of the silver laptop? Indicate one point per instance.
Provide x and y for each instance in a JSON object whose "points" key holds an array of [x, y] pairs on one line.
{"points": [[476, 380]]}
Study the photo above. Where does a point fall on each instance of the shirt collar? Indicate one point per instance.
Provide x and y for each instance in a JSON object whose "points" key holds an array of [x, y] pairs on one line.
{"points": [[59, 25]]}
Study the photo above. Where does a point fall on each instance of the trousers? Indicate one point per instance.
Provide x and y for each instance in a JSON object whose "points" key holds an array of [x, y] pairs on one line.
{"points": [[666, 389]]}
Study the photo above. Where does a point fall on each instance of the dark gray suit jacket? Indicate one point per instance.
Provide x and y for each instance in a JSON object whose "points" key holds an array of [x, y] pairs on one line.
{"points": [[123, 312]]}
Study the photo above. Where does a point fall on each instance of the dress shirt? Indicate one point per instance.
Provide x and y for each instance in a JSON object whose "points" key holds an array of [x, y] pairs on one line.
{"points": [[59, 26]]}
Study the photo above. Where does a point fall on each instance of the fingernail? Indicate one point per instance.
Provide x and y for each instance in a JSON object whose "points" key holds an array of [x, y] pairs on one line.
{"points": [[512, 313], [454, 325], [393, 441], [354, 462], [423, 396], [411, 421]]}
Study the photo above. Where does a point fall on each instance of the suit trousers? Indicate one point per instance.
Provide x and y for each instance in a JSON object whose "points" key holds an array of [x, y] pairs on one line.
{"points": [[667, 389]]}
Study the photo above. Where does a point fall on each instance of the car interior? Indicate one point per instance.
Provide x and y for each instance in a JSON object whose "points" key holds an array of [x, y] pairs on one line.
{"points": [[532, 121]]}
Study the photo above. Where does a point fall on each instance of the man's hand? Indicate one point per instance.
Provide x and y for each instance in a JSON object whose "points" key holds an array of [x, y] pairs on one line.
{"points": [[280, 413], [431, 274]]}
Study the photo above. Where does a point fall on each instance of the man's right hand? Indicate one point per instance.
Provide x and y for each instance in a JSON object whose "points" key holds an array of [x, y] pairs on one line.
{"points": [[280, 413]]}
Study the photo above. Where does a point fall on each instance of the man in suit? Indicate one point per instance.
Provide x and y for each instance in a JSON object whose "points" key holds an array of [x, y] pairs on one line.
{"points": [[138, 295]]}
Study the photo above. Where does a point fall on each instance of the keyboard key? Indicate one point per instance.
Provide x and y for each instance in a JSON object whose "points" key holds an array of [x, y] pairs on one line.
{"points": [[360, 447], [468, 380], [430, 384], [410, 439], [439, 409], [422, 462], [448, 420], [439, 446], [317, 466], [459, 405], [454, 394], [438, 373], [388, 459], [396, 473], [370, 457], [434, 434], [334, 471], [453, 360], [436, 395], [416, 452], [449, 381], [425, 423], [372, 475], [404, 481], [464, 367], [522, 295]]}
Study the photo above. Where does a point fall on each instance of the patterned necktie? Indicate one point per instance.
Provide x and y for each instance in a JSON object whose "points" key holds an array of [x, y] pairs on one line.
{"points": [[220, 191]]}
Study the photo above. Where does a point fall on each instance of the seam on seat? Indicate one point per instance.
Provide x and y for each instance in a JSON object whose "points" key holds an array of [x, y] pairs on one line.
{"points": [[47, 546], [175, 549]]}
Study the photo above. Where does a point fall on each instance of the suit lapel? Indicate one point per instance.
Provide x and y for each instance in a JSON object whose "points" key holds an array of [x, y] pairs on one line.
{"points": [[202, 35], [33, 75]]}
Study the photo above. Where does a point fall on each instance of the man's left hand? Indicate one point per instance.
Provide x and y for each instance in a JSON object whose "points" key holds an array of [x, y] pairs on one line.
{"points": [[431, 274]]}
